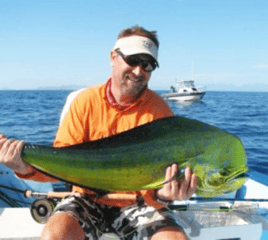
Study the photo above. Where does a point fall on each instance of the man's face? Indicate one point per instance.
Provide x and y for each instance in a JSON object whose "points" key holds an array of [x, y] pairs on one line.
{"points": [[131, 81]]}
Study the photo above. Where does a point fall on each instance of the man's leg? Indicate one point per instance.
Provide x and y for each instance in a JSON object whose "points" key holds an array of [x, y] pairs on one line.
{"points": [[62, 226], [135, 223], [75, 218], [169, 234]]}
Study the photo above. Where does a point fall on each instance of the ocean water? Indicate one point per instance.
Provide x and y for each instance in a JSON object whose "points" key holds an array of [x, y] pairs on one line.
{"points": [[34, 116]]}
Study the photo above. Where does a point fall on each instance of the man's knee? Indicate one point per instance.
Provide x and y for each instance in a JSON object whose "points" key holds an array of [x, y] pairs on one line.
{"points": [[62, 226], [170, 233]]}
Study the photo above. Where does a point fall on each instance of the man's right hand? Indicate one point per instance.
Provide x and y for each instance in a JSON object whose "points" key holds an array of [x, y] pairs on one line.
{"points": [[10, 155]]}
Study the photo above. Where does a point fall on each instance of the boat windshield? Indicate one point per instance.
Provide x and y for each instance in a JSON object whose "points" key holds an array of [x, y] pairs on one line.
{"points": [[186, 84]]}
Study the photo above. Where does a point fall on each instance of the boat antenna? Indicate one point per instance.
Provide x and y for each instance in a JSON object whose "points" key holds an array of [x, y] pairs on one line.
{"points": [[192, 73]]}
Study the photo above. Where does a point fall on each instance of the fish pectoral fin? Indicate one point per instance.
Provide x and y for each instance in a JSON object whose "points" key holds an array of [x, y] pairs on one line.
{"points": [[154, 185], [179, 177], [159, 184]]}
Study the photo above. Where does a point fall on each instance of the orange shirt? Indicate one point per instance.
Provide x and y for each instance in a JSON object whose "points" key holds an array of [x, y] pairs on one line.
{"points": [[94, 114]]}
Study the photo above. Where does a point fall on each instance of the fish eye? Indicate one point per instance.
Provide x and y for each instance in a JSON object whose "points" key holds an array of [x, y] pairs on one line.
{"points": [[224, 172]]}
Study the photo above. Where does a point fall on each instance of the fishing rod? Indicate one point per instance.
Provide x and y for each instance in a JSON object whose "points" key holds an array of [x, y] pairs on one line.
{"points": [[59, 195], [228, 199], [12, 202], [9, 201], [12, 189], [29, 193], [42, 208]]}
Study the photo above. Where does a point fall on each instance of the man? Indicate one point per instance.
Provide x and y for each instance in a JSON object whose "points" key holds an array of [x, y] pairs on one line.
{"points": [[122, 103]]}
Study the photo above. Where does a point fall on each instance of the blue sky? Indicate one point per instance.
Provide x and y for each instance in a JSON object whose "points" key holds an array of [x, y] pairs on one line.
{"points": [[223, 45]]}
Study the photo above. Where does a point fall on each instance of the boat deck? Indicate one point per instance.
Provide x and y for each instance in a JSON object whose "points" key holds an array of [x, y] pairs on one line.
{"points": [[26, 227], [196, 226], [244, 224]]}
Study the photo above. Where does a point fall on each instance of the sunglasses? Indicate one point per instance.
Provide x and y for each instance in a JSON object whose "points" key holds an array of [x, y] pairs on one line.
{"points": [[133, 61]]}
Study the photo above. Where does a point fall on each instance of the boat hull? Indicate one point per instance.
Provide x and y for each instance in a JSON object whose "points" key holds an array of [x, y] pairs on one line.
{"points": [[184, 97]]}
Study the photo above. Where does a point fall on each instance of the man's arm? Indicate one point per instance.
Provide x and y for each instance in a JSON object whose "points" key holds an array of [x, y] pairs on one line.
{"points": [[10, 156]]}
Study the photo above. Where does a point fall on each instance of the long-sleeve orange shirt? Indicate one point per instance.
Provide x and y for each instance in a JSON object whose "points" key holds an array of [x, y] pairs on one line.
{"points": [[94, 114]]}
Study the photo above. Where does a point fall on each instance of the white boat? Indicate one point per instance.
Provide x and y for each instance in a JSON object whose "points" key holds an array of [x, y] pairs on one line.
{"points": [[240, 215], [186, 91]]}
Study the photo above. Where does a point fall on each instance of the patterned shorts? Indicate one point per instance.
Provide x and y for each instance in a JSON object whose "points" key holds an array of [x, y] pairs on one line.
{"points": [[129, 223]]}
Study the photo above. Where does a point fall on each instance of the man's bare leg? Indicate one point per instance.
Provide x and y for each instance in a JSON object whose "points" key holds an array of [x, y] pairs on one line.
{"points": [[62, 226]]}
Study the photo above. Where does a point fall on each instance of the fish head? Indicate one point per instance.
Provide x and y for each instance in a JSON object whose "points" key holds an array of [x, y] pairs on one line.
{"points": [[217, 182], [224, 174]]}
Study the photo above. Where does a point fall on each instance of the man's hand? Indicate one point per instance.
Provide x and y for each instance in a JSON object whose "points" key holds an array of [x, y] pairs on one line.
{"points": [[174, 190], [10, 152]]}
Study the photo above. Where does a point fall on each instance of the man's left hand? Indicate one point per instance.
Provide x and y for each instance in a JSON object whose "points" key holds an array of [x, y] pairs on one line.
{"points": [[175, 190]]}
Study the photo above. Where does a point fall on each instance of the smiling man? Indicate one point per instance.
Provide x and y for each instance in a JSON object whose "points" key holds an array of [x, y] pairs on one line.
{"points": [[120, 104], [139, 54]]}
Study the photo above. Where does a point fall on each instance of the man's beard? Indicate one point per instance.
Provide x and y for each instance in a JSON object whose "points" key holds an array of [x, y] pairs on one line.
{"points": [[134, 89]]}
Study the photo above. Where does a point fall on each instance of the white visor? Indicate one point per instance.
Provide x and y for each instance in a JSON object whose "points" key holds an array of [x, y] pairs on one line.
{"points": [[137, 45]]}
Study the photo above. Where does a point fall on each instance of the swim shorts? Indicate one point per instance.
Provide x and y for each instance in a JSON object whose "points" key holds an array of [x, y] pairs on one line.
{"points": [[128, 223]]}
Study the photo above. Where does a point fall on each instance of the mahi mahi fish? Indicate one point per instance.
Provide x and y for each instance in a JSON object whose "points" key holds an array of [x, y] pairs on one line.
{"points": [[136, 159]]}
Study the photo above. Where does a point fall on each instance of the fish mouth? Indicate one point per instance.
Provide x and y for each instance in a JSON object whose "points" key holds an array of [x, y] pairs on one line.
{"points": [[217, 177], [240, 175], [237, 180], [217, 185]]}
